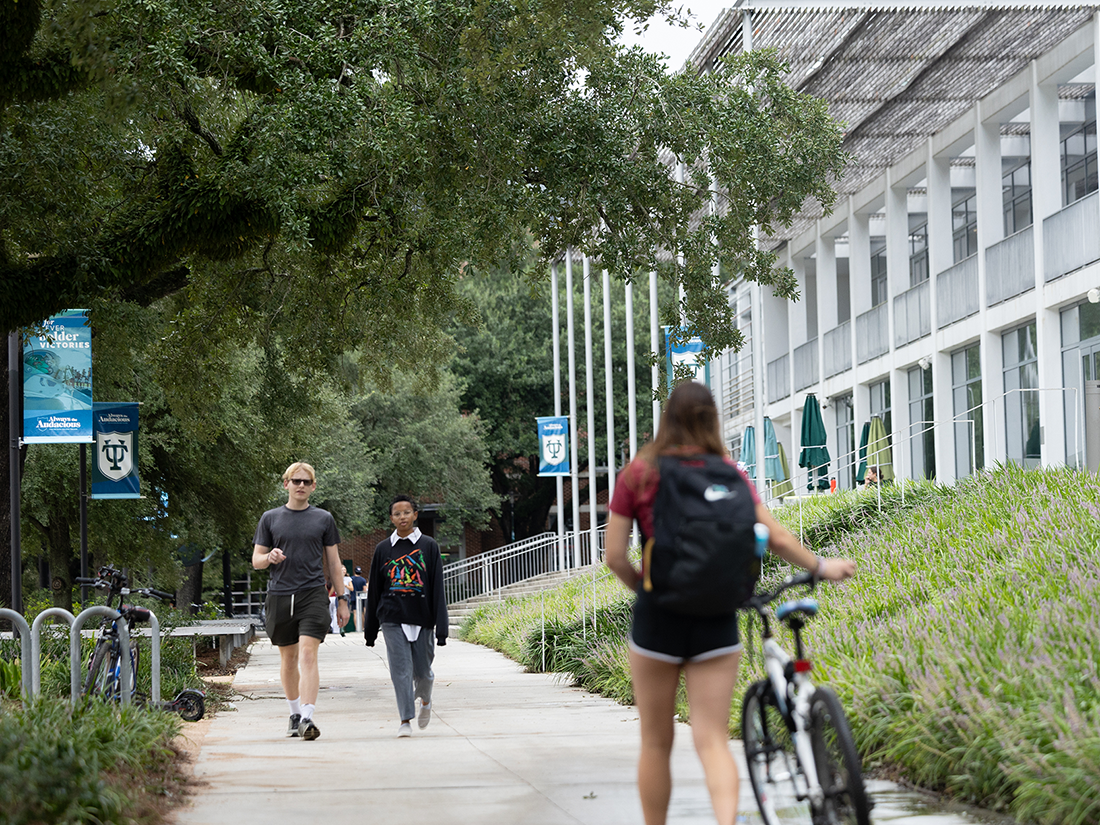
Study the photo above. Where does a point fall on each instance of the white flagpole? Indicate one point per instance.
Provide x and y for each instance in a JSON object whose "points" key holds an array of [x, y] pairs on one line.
{"points": [[631, 395], [609, 386], [554, 301], [590, 412], [573, 470], [654, 331]]}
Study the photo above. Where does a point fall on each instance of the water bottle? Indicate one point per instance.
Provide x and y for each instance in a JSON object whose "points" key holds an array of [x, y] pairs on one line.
{"points": [[762, 533]]}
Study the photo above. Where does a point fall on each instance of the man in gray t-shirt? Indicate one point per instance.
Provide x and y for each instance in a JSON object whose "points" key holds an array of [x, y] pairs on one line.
{"points": [[298, 543]]}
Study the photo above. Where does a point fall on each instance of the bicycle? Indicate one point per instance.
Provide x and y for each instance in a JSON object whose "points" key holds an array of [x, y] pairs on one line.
{"points": [[801, 758], [104, 676]]}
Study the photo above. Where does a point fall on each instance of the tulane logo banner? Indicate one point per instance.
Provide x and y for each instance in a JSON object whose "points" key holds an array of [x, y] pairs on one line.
{"points": [[57, 381], [115, 467], [553, 445]]}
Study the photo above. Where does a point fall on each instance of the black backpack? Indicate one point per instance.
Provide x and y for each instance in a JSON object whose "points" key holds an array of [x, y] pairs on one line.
{"points": [[701, 560]]}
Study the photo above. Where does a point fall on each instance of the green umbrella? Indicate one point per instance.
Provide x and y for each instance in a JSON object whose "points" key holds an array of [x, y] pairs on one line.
{"points": [[862, 471], [878, 450], [814, 455]]}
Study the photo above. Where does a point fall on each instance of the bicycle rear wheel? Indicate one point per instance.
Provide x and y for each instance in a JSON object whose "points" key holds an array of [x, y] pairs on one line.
{"points": [[838, 763], [769, 752], [98, 675]]}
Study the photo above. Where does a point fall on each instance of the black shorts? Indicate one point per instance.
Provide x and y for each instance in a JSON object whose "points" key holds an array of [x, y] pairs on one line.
{"points": [[291, 615], [676, 638]]}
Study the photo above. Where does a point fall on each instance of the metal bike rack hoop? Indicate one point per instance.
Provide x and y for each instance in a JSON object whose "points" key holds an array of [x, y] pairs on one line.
{"points": [[24, 631], [36, 643]]}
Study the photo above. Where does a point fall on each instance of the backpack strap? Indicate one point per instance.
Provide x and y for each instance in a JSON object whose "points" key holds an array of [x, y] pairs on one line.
{"points": [[647, 566]]}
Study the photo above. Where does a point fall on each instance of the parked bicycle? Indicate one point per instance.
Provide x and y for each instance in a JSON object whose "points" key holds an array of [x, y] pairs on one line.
{"points": [[802, 761], [104, 676]]}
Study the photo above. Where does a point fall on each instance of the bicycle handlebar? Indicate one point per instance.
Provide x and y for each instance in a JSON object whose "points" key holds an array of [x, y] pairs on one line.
{"points": [[761, 600]]}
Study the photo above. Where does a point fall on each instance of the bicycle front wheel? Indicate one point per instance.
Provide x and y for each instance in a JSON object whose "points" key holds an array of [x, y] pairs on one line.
{"points": [[98, 671], [774, 772], [838, 764]]}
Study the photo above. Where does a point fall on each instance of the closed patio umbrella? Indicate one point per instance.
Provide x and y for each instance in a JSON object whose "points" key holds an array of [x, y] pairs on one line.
{"points": [[879, 452], [772, 468], [815, 455], [748, 452], [862, 471], [785, 487]]}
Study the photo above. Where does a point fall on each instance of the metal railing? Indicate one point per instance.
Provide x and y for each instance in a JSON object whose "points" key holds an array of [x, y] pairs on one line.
{"points": [[486, 573], [1010, 267], [1070, 239]]}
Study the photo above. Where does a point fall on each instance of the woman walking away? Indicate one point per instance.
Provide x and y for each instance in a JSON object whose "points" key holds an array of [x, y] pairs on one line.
{"points": [[702, 642]]}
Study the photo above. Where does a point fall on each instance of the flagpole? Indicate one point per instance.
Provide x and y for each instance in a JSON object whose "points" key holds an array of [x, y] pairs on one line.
{"points": [[558, 483], [609, 387], [655, 371], [574, 482], [590, 412]]}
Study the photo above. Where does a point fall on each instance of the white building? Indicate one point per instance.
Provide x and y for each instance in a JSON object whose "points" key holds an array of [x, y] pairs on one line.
{"points": [[948, 292]]}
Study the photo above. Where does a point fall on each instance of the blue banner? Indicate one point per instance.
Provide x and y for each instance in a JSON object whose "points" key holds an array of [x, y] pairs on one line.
{"points": [[115, 464], [57, 381], [684, 352], [553, 445]]}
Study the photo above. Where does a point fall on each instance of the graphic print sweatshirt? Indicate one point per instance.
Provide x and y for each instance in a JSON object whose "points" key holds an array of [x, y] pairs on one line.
{"points": [[405, 586]]}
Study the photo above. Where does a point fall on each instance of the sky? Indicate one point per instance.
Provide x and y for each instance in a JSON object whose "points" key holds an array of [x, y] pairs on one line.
{"points": [[676, 42]]}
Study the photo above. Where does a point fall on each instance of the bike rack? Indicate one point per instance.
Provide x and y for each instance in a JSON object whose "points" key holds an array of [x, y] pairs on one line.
{"points": [[36, 643], [24, 631]]}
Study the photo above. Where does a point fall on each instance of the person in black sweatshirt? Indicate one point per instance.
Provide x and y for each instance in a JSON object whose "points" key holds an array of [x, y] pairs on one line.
{"points": [[405, 600]]}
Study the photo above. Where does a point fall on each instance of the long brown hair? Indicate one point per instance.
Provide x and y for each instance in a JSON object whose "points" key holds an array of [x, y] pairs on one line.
{"points": [[690, 418]]}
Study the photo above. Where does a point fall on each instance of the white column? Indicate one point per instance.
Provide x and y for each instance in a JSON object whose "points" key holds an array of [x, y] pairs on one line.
{"points": [[554, 300], [990, 201], [590, 402], [574, 469], [940, 257], [1046, 200], [631, 395]]}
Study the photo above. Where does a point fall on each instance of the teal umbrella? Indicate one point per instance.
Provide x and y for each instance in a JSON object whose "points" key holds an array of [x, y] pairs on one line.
{"points": [[772, 468], [862, 471], [815, 455], [748, 452]]}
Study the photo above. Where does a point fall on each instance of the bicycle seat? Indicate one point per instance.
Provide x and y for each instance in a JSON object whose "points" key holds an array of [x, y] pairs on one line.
{"points": [[807, 607]]}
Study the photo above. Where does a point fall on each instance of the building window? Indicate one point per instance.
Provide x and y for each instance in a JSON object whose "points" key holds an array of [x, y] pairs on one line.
{"points": [[847, 454], [918, 248], [878, 271], [737, 390], [964, 225], [966, 389], [922, 415], [880, 405], [1021, 377], [1079, 157], [1016, 196]]}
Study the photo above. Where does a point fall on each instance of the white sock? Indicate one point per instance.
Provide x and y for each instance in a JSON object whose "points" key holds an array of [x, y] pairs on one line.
{"points": [[295, 706], [307, 712]]}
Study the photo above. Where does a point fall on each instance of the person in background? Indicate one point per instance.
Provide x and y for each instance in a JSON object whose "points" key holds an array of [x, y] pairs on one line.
{"points": [[299, 544], [664, 644], [359, 589], [871, 477], [405, 600]]}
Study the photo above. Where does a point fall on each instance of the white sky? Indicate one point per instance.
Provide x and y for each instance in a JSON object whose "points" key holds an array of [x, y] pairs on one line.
{"points": [[677, 43]]}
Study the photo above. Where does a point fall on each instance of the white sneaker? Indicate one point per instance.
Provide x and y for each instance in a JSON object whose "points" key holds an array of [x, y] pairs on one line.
{"points": [[404, 730], [424, 717]]}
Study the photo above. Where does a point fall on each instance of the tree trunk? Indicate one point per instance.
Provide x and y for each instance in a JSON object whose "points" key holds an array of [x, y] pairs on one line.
{"points": [[59, 540], [189, 595]]}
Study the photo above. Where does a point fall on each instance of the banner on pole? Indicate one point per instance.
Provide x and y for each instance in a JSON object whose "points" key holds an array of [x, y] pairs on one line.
{"points": [[682, 349], [115, 466], [57, 381], [553, 445]]}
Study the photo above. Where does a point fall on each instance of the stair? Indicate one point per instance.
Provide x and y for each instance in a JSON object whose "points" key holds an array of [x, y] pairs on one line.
{"points": [[458, 611]]}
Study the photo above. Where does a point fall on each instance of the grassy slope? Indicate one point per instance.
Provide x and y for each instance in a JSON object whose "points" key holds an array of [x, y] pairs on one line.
{"points": [[966, 648]]}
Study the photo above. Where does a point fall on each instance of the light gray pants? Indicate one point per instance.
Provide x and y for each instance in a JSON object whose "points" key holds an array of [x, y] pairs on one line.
{"points": [[410, 667]]}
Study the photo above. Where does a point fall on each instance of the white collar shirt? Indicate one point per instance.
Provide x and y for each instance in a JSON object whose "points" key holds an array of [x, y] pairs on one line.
{"points": [[414, 536]]}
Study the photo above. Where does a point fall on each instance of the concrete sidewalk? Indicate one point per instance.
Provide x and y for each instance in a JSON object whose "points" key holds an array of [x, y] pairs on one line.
{"points": [[504, 747]]}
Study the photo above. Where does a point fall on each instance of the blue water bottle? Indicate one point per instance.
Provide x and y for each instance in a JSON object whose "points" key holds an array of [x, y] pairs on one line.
{"points": [[762, 534]]}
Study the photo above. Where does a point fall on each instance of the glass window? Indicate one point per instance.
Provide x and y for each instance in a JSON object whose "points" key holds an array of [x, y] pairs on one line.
{"points": [[966, 390], [1079, 154], [1016, 196], [964, 223], [878, 271], [843, 291], [918, 248], [880, 405], [847, 450], [922, 442], [1021, 378]]}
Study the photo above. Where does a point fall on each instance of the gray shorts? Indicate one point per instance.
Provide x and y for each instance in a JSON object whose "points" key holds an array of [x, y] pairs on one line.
{"points": [[291, 615]]}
